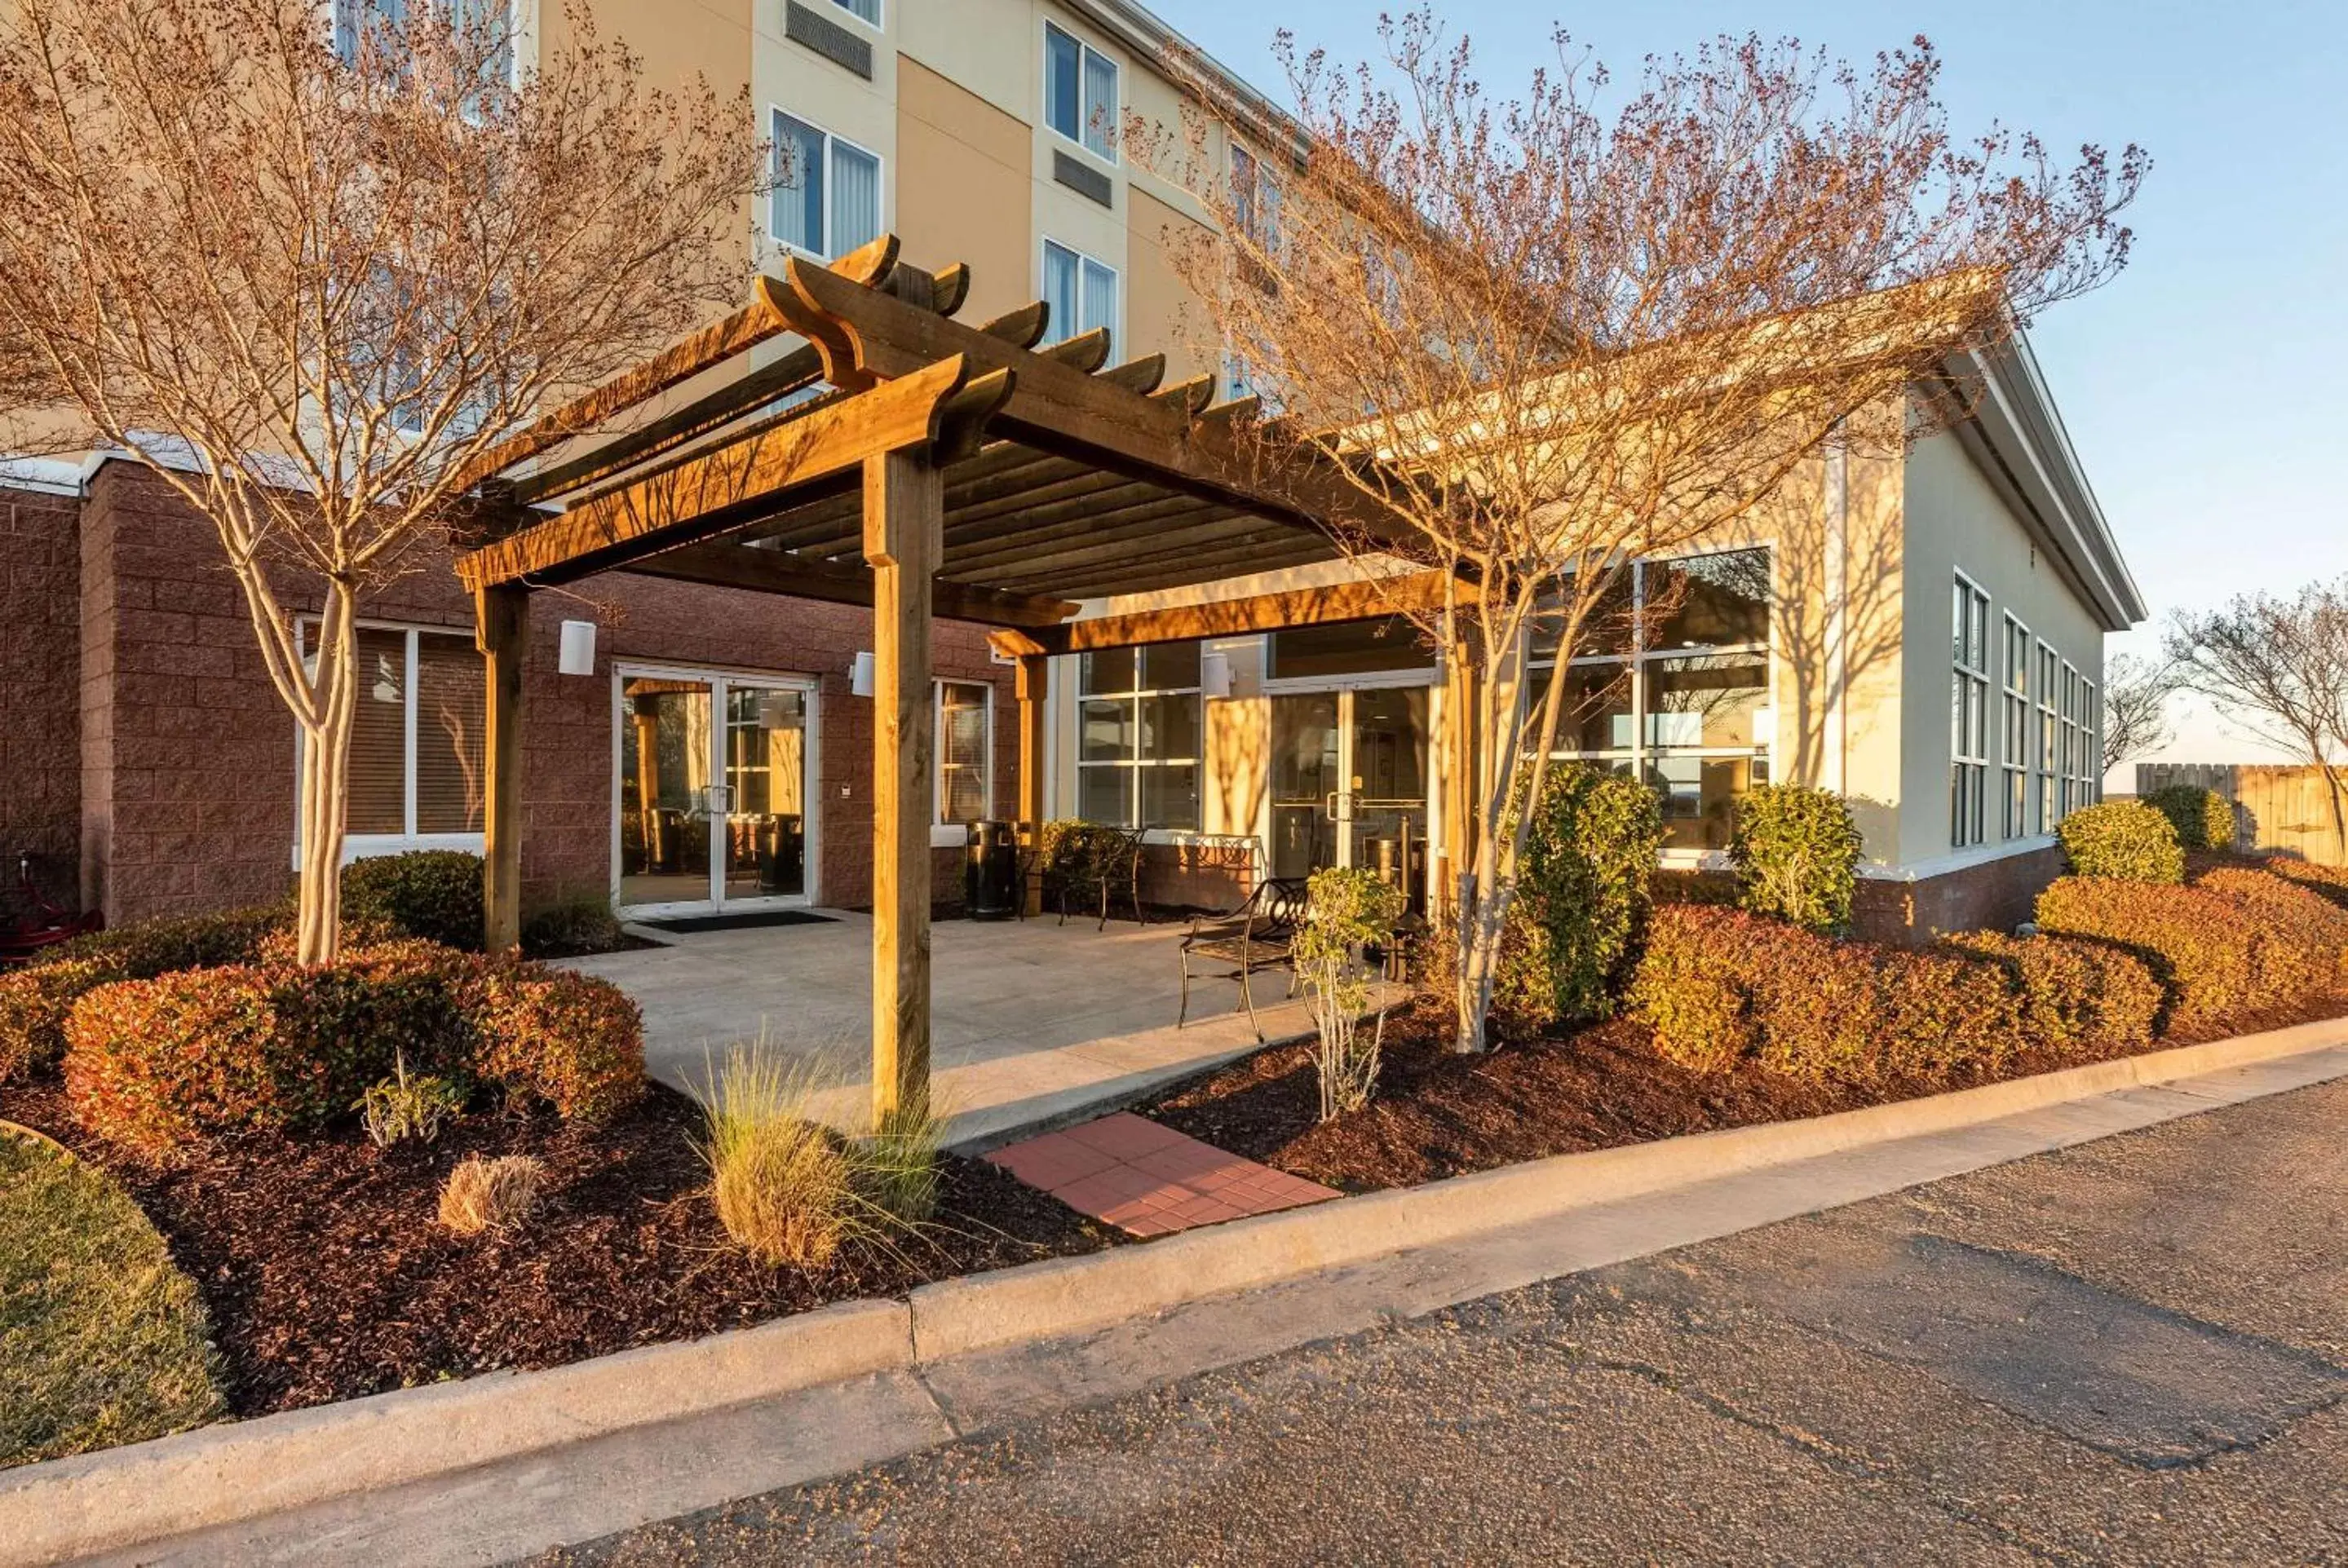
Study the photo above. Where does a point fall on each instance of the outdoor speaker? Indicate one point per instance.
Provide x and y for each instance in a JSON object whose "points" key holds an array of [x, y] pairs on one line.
{"points": [[1215, 674], [578, 648], [859, 675]]}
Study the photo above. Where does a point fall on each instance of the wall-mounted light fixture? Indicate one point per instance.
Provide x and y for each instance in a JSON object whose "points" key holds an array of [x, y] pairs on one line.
{"points": [[859, 675], [578, 656], [1215, 674]]}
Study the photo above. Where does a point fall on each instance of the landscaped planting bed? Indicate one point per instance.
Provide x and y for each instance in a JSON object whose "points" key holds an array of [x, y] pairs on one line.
{"points": [[327, 1275]]}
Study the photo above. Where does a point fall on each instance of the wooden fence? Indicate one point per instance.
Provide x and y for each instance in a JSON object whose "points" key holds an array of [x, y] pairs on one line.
{"points": [[2279, 809]]}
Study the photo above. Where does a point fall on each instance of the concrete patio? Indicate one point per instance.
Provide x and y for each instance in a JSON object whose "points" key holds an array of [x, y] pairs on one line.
{"points": [[1034, 1023]]}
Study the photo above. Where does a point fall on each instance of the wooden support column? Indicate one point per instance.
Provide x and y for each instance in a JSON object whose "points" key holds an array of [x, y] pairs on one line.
{"points": [[1457, 748], [502, 631], [1035, 686], [905, 536]]}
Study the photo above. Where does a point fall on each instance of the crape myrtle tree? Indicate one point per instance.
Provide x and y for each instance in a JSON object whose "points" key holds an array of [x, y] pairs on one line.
{"points": [[2135, 706], [2279, 668], [310, 262], [1543, 338]]}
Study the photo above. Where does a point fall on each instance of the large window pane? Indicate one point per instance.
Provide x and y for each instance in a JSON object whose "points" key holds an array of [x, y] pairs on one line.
{"points": [[1108, 731], [1699, 796], [1169, 727], [1607, 628], [865, 10], [1109, 670], [1706, 701], [798, 202], [1064, 108], [1709, 601], [1169, 798], [1350, 648], [1105, 793], [1170, 667], [1097, 309], [1597, 712], [1059, 292], [379, 756], [450, 704], [961, 751], [1100, 104]]}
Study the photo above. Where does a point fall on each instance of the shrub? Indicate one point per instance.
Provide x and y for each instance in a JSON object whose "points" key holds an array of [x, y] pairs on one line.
{"points": [[572, 1041], [2075, 996], [1584, 880], [1348, 910], [2326, 882], [2123, 840], [431, 894], [2202, 945], [154, 1064], [484, 1194], [2303, 940], [1719, 987], [574, 928], [1524, 999], [1795, 851], [2203, 818], [35, 1003], [146, 948], [407, 1106]]}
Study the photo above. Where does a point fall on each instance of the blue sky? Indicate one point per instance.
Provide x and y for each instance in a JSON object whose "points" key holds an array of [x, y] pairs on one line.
{"points": [[2202, 387]]}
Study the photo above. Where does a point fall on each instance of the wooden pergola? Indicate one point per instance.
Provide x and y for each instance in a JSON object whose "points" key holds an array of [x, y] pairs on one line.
{"points": [[901, 459]]}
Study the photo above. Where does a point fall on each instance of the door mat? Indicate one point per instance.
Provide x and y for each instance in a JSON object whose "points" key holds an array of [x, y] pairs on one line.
{"points": [[690, 924]]}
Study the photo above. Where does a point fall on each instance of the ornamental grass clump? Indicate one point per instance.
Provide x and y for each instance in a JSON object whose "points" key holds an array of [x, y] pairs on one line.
{"points": [[1584, 881], [1349, 912], [484, 1194], [2203, 818], [1795, 851], [2122, 840]]}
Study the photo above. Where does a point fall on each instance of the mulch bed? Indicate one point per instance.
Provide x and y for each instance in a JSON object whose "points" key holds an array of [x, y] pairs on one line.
{"points": [[1441, 1114], [328, 1276]]}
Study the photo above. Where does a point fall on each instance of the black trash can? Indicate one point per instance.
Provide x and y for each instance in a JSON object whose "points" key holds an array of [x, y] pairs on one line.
{"points": [[991, 876]]}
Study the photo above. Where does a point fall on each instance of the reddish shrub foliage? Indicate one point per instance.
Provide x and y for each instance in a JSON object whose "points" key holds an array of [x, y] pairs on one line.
{"points": [[34, 1005], [2329, 882], [2305, 943], [2077, 997], [575, 1042], [2218, 953], [153, 1064]]}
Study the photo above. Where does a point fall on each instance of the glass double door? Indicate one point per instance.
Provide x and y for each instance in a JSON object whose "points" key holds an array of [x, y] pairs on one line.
{"points": [[1349, 783], [713, 793]]}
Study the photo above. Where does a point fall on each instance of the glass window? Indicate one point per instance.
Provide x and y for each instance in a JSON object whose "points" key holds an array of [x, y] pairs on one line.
{"points": [[1349, 648], [1708, 602], [1710, 701], [1700, 796], [965, 737], [827, 197], [862, 10], [1081, 295], [1139, 736], [416, 759], [2013, 733], [1080, 92], [1969, 716]]}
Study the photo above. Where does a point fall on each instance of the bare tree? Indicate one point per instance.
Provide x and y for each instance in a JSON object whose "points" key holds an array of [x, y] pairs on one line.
{"points": [[310, 279], [2279, 667], [2135, 706], [1542, 342]]}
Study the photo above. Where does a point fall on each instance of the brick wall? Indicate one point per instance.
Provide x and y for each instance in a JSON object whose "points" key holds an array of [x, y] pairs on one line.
{"points": [[186, 757], [40, 756]]}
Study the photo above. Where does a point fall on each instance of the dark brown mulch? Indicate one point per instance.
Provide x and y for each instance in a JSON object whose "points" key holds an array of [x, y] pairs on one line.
{"points": [[328, 1278], [1441, 1114]]}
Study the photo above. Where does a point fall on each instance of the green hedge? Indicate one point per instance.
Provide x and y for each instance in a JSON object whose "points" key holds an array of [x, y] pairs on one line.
{"points": [[2123, 840], [1590, 856], [431, 894], [1796, 850], [2203, 818]]}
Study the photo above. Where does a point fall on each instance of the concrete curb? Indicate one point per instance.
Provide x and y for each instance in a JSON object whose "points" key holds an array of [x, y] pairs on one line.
{"points": [[228, 1474], [122, 1497]]}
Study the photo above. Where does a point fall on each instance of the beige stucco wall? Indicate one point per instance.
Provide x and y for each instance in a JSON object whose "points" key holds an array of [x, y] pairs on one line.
{"points": [[964, 188], [1957, 521]]}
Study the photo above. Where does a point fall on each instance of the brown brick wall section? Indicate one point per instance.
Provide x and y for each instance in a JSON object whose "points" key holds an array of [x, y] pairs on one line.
{"points": [[1995, 896], [40, 659], [187, 770]]}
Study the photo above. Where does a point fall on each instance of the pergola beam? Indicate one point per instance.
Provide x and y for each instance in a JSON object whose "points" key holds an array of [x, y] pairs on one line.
{"points": [[1415, 593], [722, 565]]}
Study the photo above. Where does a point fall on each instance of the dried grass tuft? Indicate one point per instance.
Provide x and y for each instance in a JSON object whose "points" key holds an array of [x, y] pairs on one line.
{"points": [[491, 1195]]}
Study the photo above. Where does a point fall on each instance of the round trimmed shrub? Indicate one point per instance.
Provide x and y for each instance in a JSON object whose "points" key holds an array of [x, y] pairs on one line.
{"points": [[2202, 945], [2122, 840], [149, 947], [35, 1003], [570, 1041], [2203, 818], [1692, 988], [1584, 880], [434, 895], [2076, 997], [1796, 850], [2303, 944]]}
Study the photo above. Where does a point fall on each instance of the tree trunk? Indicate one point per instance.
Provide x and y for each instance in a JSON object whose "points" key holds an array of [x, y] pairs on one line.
{"points": [[325, 780]]}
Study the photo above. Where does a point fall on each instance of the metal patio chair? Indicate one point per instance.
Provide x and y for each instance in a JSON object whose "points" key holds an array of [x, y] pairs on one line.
{"points": [[1258, 934]]}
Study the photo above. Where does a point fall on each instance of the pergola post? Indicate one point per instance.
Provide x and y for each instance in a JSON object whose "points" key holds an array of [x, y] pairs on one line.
{"points": [[1456, 764], [905, 536], [1035, 685], [502, 631]]}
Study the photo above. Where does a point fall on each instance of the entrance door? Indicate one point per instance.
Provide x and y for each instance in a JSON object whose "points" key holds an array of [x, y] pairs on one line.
{"points": [[713, 793], [1349, 783]]}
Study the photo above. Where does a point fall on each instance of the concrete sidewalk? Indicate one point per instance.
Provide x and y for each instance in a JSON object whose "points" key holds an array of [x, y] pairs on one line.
{"points": [[1032, 1023]]}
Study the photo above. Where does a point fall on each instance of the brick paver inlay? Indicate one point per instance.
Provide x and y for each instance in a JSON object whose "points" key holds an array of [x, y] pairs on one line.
{"points": [[1150, 1180]]}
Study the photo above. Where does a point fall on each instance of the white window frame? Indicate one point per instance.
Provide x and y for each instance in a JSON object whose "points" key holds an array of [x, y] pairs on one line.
{"points": [[828, 252], [1133, 762], [1086, 54], [2046, 800], [368, 845], [1970, 606], [1641, 751], [943, 834], [1060, 332], [878, 21], [2014, 731]]}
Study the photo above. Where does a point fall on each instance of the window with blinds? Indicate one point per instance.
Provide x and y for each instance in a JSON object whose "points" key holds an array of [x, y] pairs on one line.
{"points": [[826, 196], [965, 747], [416, 735]]}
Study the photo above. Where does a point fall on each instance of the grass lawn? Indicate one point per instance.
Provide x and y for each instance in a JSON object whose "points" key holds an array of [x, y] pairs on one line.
{"points": [[102, 1340]]}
